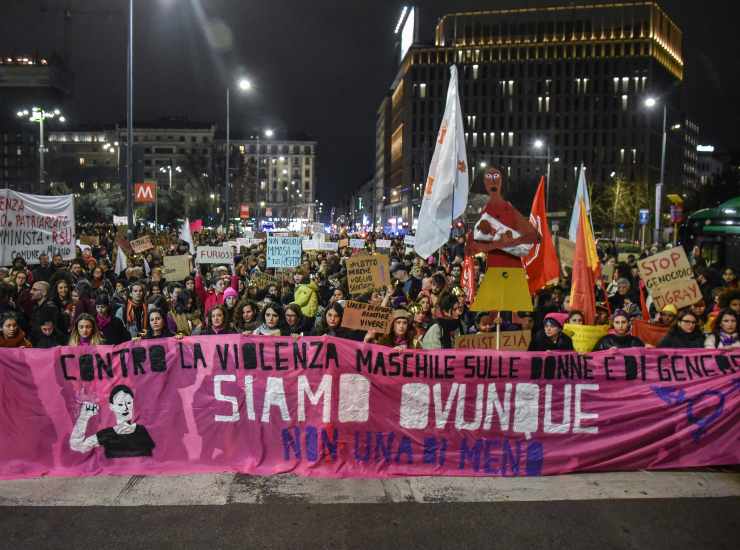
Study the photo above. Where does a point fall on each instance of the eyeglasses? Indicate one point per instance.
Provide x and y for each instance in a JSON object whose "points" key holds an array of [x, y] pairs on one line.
{"points": [[688, 322]]}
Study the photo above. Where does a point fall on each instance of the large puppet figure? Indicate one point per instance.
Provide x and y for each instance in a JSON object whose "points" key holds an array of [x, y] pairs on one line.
{"points": [[506, 237]]}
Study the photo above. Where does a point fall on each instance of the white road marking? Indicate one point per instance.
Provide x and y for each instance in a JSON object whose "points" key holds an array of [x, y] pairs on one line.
{"points": [[222, 489]]}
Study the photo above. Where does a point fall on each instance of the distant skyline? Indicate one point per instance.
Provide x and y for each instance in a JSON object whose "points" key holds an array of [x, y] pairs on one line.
{"points": [[319, 68]]}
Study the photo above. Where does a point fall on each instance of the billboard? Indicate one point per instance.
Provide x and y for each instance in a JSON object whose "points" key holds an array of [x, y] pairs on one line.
{"points": [[407, 27]]}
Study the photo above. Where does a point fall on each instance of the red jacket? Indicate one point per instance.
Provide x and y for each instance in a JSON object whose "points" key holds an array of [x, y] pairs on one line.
{"points": [[210, 297]]}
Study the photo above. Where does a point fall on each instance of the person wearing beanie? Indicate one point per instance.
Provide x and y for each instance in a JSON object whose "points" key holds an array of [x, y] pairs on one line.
{"points": [[231, 298], [215, 296], [551, 337]]}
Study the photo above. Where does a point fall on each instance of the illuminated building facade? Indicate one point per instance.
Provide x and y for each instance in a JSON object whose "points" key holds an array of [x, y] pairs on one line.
{"points": [[573, 77]]}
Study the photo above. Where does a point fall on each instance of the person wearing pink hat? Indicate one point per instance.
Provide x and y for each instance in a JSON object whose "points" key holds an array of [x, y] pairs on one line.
{"points": [[551, 337], [215, 296]]}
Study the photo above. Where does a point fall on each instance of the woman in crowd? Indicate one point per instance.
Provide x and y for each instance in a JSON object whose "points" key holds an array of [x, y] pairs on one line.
{"points": [[331, 324], [685, 333], [85, 332], [247, 317], [113, 330], [442, 333], [49, 334], [295, 322], [216, 322], [180, 315], [100, 282], [575, 318], [231, 298], [724, 334], [61, 296], [12, 336], [700, 310], [273, 321], [551, 337], [157, 325], [620, 336], [729, 278], [402, 335]]}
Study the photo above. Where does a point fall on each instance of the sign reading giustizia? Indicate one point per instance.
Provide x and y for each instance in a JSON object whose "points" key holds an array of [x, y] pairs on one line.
{"points": [[31, 225]]}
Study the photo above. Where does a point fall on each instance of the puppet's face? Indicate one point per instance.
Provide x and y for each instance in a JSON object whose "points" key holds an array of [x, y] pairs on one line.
{"points": [[494, 182]]}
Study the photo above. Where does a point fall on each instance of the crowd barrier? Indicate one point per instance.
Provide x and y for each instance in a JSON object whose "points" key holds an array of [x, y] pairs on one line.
{"points": [[337, 408]]}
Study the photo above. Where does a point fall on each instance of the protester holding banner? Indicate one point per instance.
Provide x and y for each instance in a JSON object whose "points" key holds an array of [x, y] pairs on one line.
{"points": [[113, 329], [551, 337], [724, 334], [216, 323], [619, 336], [273, 321], [295, 322], [85, 332], [685, 333], [331, 324]]}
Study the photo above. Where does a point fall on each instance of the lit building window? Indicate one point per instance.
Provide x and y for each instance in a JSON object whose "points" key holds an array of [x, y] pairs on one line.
{"points": [[625, 102], [82, 161], [423, 90]]}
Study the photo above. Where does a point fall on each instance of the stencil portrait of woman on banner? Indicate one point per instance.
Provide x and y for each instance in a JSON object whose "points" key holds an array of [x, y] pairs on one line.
{"points": [[505, 236]]}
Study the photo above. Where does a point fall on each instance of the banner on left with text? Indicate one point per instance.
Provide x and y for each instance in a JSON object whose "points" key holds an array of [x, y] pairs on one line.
{"points": [[31, 225]]}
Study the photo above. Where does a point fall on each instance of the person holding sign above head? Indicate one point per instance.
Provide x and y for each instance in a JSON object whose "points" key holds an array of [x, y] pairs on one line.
{"points": [[446, 327], [215, 295], [551, 337], [620, 336], [685, 333], [506, 237]]}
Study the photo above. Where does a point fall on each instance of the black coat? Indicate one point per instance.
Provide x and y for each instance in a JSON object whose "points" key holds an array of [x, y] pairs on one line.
{"points": [[46, 311], [679, 339], [55, 339], [115, 332], [615, 341], [541, 342]]}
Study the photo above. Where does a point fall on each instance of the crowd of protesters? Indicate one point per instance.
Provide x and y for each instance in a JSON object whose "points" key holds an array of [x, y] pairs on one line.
{"points": [[85, 302]]}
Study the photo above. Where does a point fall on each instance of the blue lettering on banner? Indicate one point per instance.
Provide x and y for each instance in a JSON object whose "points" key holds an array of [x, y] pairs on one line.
{"points": [[714, 400], [494, 456]]}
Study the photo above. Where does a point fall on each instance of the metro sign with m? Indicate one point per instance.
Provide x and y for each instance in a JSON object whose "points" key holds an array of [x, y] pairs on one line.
{"points": [[145, 193]]}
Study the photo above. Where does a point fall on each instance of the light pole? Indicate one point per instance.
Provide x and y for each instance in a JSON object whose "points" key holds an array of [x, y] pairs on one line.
{"points": [[268, 133], [651, 103], [130, 121], [114, 148], [168, 170], [540, 144], [38, 115], [244, 85]]}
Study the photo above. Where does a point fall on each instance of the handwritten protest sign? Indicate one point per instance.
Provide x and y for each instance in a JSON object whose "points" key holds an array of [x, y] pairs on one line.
{"points": [[383, 243], [283, 252], [310, 244], [409, 240], [263, 280], [120, 220], [566, 252], [585, 337], [31, 225], [90, 240], [669, 278], [328, 246], [517, 340], [362, 316], [357, 243], [214, 255], [365, 273], [142, 244], [176, 268]]}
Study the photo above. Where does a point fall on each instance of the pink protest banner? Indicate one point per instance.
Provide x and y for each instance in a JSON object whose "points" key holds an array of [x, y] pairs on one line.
{"points": [[336, 408]]}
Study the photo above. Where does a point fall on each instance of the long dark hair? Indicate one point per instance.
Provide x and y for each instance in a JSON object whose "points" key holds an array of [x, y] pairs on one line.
{"points": [[676, 327], [165, 329], [718, 324]]}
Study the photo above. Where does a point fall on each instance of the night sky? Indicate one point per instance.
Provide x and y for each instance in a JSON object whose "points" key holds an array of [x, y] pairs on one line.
{"points": [[320, 67]]}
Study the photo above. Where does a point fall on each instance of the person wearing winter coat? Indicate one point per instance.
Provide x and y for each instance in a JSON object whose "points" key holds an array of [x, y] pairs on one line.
{"points": [[685, 333], [306, 296], [620, 336], [214, 296], [551, 337], [724, 335]]}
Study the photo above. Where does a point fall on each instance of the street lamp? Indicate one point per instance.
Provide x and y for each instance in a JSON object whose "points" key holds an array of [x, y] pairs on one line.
{"points": [[38, 115], [114, 148], [244, 85], [651, 103], [539, 144], [168, 170]]}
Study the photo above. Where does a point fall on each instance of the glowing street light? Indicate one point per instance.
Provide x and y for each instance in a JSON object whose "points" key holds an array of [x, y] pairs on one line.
{"points": [[39, 115], [651, 103], [244, 85], [269, 133]]}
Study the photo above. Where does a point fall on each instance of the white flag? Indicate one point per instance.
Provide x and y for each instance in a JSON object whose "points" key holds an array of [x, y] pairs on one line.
{"points": [[121, 262], [186, 236], [448, 178], [581, 193]]}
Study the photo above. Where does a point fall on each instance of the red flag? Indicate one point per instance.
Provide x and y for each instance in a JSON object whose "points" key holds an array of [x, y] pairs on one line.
{"points": [[467, 278], [541, 264], [585, 265]]}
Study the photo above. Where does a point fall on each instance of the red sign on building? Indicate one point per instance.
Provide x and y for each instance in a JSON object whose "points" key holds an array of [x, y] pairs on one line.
{"points": [[145, 193], [244, 212]]}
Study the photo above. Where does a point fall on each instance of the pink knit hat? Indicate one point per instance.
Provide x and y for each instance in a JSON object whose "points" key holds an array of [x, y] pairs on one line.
{"points": [[230, 293]]}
